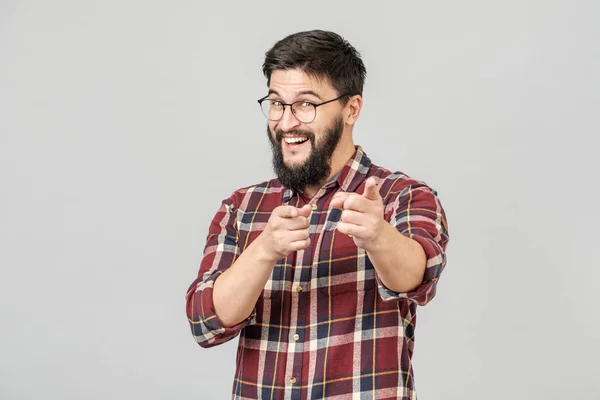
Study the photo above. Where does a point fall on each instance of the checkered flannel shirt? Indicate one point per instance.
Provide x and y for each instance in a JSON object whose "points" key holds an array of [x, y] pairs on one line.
{"points": [[325, 326]]}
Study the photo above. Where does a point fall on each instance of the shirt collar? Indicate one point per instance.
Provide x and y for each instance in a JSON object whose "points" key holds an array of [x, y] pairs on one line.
{"points": [[349, 178]]}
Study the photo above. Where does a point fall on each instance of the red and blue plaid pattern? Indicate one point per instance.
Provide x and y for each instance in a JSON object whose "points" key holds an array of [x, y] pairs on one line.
{"points": [[325, 326]]}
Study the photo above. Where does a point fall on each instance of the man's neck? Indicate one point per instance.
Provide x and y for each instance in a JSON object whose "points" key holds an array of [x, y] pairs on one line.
{"points": [[339, 158]]}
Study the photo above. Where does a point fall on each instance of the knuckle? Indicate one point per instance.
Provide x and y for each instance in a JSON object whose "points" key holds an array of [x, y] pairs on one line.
{"points": [[351, 201], [348, 201], [283, 210]]}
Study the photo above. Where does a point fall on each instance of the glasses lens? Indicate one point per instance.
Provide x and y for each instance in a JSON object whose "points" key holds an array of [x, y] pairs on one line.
{"points": [[271, 109], [305, 112]]}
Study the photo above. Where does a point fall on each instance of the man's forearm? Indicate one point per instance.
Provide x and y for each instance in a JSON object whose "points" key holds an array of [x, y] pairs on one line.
{"points": [[399, 261], [236, 291]]}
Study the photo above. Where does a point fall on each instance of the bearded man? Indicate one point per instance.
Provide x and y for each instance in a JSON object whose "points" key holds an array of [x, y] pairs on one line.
{"points": [[319, 271]]}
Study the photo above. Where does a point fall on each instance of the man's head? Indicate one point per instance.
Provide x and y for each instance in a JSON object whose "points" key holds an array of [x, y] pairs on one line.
{"points": [[306, 69]]}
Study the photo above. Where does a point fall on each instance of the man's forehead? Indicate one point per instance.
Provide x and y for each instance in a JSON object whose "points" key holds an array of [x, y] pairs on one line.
{"points": [[296, 80]]}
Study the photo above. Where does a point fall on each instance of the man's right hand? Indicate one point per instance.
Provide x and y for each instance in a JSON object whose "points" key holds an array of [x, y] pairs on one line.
{"points": [[286, 232]]}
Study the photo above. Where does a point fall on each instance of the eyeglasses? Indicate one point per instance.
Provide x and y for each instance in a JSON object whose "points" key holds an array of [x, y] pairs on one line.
{"points": [[304, 111]]}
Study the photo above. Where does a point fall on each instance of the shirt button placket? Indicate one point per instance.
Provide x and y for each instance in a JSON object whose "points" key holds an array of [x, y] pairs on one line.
{"points": [[295, 337]]}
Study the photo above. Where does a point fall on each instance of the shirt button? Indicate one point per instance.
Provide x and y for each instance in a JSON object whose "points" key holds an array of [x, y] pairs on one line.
{"points": [[298, 289], [313, 206], [296, 336], [292, 380]]}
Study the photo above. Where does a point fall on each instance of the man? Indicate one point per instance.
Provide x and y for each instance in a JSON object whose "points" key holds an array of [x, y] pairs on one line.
{"points": [[320, 270]]}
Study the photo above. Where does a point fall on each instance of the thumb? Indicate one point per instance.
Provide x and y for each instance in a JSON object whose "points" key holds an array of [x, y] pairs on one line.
{"points": [[371, 190], [304, 211]]}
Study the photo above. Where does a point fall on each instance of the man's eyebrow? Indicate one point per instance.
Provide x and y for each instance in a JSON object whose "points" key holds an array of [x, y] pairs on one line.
{"points": [[301, 93], [310, 92]]}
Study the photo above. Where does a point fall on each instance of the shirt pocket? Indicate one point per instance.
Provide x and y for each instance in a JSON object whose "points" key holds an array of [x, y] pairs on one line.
{"points": [[342, 266]]}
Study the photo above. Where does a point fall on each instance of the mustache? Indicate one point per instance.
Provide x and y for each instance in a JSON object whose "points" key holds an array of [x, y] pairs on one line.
{"points": [[296, 132]]}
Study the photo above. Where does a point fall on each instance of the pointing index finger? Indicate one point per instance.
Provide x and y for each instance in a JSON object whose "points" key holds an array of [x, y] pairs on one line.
{"points": [[371, 190]]}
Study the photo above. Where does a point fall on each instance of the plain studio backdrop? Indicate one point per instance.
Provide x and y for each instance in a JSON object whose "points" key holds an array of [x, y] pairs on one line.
{"points": [[125, 123]]}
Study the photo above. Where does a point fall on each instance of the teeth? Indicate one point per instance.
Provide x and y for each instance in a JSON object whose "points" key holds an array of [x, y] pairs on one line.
{"points": [[291, 140]]}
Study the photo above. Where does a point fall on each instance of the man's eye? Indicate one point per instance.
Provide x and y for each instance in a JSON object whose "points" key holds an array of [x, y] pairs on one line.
{"points": [[306, 104], [276, 102]]}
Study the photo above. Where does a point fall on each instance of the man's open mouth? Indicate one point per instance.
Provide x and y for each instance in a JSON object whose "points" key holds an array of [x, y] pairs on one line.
{"points": [[295, 140]]}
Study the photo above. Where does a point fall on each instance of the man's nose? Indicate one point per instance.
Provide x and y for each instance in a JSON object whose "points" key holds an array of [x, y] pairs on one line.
{"points": [[288, 121]]}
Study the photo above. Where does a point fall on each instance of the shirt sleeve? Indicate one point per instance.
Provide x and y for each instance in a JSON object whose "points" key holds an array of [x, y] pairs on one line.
{"points": [[418, 214], [220, 252]]}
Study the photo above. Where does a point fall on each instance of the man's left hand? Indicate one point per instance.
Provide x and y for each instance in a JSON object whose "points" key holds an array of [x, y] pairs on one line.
{"points": [[362, 215]]}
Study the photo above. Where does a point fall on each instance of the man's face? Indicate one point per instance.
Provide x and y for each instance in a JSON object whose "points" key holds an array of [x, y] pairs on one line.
{"points": [[302, 151]]}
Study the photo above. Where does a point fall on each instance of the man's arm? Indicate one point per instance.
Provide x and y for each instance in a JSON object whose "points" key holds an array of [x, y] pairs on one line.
{"points": [[407, 251], [236, 291], [220, 252], [221, 301], [399, 261]]}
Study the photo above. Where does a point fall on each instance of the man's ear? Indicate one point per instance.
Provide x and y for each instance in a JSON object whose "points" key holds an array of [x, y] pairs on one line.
{"points": [[353, 108]]}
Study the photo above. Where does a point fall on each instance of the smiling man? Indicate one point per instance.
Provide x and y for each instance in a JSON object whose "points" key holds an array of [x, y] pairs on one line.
{"points": [[320, 270]]}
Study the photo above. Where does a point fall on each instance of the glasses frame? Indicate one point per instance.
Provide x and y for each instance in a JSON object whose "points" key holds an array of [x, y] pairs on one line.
{"points": [[260, 101]]}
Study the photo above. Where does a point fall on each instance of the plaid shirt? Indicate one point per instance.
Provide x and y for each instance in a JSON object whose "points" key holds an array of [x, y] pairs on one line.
{"points": [[324, 326]]}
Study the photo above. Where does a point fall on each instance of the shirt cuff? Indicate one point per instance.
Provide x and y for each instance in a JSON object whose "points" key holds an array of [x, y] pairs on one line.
{"points": [[422, 294], [212, 332]]}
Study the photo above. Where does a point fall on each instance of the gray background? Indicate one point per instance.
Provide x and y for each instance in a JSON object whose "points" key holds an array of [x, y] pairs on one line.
{"points": [[124, 123]]}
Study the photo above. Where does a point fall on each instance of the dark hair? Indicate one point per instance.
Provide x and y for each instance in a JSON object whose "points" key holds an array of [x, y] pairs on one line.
{"points": [[322, 54]]}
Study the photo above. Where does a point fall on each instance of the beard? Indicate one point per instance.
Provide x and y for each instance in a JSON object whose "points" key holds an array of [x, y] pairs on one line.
{"points": [[316, 168]]}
